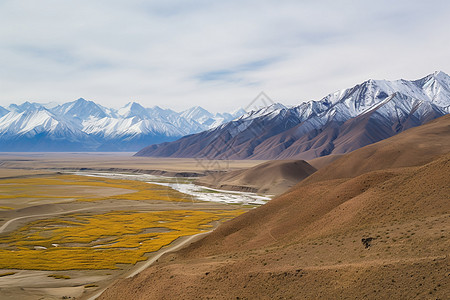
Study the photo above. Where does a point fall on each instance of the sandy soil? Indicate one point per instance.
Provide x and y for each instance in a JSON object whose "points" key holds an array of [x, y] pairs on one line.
{"points": [[177, 245], [272, 177], [117, 161], [11, 173], [323, 161], [64, 194]]}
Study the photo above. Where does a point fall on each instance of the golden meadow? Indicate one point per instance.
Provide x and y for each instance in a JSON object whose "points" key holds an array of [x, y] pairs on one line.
{"points": [[98, 241], [42, 187]]}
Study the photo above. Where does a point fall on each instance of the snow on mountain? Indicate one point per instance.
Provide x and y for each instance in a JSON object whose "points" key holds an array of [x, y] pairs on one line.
{"points": [[198, 117], [341, 121], [113, 128], [437, 87], [314, 126], [161, 113], [133, 109], [343, 105], [49, 105], [32, 122], [3, 111], [238, 112], [196, 113], [270, 110], [24, 106], [84, 125], [80, 110]]}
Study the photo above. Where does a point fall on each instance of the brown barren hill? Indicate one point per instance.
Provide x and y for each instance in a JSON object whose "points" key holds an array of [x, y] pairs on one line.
{"points": [[380, 234], [413, 147], [323, 161], [272, 177]]}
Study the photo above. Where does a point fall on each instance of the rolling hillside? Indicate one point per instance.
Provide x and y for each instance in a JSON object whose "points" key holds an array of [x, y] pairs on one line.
{"points": [[380, 233], [272, 177]]}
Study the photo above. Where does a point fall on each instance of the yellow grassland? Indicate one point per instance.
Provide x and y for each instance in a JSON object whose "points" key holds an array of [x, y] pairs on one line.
{"points": [[101, 241], [41, 187]]}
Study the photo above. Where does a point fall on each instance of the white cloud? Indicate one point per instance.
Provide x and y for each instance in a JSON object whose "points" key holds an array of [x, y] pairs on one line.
{"points": [[218, 54]]}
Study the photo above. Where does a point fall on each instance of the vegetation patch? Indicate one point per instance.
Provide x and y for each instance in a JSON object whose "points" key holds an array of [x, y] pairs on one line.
{"points": [[100, 241], [40, 188]]}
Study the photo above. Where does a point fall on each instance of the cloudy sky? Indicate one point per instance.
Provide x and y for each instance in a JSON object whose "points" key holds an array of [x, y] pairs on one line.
{"points": [[217, 54]]}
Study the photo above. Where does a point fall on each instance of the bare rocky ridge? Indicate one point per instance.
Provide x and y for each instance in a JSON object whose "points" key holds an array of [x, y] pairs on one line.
{"points": [[339, 123], [413, 147], [373, 224]]}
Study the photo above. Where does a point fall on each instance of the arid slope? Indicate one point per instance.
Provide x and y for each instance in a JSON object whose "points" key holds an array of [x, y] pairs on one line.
{"points": [[414, 147], [273, 177], [382, 233]]}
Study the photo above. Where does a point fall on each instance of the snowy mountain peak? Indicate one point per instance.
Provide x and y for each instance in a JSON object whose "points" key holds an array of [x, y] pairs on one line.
{"points": [[196, 113], [3, 111], [83, 125], [157, 112], [442, 78], [24, 106], [28, 122], [238, 112], [341, 122], [440, 74], [157, 108], [133, 109], [80, 109], [276, 106], [271, 109]]}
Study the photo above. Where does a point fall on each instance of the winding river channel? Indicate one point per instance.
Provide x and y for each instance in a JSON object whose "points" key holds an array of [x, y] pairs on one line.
{"points": [[187, 186]]}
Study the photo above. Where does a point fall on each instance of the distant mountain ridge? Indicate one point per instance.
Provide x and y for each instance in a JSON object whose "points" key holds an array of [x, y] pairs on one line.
{"points": [[338, 123], [84, 125]]}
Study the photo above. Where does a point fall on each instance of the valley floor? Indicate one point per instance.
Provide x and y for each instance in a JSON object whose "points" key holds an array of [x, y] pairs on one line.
{"points": [[65, 234], [372, 224]]}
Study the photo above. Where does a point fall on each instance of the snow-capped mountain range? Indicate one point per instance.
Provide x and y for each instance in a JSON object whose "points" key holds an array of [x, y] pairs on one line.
{"points": [[83, 125], [338, 123]]}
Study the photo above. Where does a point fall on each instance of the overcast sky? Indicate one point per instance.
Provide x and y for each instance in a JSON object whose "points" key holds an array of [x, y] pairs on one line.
{"points": [[216, 54]]}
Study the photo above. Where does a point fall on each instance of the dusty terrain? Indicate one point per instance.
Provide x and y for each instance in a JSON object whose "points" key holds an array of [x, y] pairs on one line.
{"points": [[273, 177], [373, 224], [323, 161], [37, 162]]}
